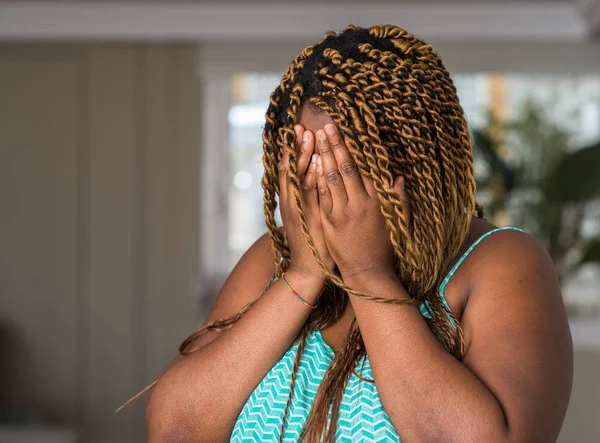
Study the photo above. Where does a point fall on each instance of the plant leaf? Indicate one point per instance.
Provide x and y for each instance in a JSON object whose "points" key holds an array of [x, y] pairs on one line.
{"points": [[592, 252], [576, 178], [486, 145]]}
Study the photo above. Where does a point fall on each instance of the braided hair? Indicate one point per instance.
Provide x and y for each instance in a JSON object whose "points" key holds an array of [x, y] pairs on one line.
{"points": [[395, 103]]}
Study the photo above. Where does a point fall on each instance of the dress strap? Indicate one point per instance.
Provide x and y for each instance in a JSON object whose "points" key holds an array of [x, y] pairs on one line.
{"points": [[426, 307], [465, 255]]}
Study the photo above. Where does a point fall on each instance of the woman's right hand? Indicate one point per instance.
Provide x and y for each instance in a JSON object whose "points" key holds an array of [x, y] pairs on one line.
{"points": [[302, 261]]}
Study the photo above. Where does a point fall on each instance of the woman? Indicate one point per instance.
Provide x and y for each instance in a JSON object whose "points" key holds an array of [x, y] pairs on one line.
{"points": [[392, 310]]}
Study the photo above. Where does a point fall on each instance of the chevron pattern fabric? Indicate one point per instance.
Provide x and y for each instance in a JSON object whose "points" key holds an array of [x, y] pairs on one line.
{"points": [[362, 417]]}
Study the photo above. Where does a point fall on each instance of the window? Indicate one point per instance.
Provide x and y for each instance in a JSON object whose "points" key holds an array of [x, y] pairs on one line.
{"points": [[246, 117]]}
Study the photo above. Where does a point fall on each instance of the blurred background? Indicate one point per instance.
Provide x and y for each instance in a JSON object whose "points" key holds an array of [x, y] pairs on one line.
{"points": [[130, 176]]}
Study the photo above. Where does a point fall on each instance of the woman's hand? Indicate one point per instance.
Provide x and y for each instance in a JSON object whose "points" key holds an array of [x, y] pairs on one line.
{"points": [[302, 261], [354, 227]]}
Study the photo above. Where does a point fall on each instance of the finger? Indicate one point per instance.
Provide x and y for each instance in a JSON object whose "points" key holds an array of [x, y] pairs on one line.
{"points": [[345, 163], [370, 187], [306, 148], [331, 173], [367, 182], [325, 201], [309, 184]]}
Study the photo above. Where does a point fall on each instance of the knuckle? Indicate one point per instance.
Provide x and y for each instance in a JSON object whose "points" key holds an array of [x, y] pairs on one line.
{"points": [[309, 178], [325, 148], [338, 220], [323, 191], [348, 168], [336, 143], [333, 176], [282, 167]]}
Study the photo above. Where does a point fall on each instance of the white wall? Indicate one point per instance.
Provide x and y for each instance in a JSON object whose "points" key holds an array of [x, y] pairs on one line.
{"points": [[98, 227]]}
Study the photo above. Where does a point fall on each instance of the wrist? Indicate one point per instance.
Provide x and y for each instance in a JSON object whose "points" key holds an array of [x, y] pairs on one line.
{"points": [[308, 285], [365, 275], [307, 274], [374, 281]]}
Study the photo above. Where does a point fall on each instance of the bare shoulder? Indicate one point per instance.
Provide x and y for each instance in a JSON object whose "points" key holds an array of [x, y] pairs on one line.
{"points": [[517, 334], [511, 273], [246, 282], [516, 259]]}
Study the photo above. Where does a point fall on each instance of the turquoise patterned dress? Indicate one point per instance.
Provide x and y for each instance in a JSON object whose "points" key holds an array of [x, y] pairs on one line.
{"points": [[362, 417]]}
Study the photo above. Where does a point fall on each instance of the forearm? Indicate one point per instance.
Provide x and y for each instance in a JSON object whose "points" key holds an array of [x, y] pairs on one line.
{"points": [[427, 393], [204, 392]]}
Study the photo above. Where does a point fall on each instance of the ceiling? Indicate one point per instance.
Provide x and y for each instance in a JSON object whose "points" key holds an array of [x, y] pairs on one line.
{"points": [[436, 20], [297, 2]]}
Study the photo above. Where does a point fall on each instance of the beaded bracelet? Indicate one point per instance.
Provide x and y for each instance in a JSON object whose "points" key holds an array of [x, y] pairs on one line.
{"points": [[295, 293]]}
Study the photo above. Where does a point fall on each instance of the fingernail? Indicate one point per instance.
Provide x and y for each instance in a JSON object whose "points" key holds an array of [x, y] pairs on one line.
{"points": [[321, 135], [313, 159], [330, 129], [319, 163], [306, 136]]}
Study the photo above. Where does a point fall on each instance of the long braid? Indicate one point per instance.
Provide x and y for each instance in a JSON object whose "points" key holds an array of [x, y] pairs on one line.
{"points": [[302, 343], [274, 143], [270, 184]]}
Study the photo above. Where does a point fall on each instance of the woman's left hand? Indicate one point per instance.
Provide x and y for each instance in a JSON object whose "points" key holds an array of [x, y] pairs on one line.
{"points": [[354, 227]]}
